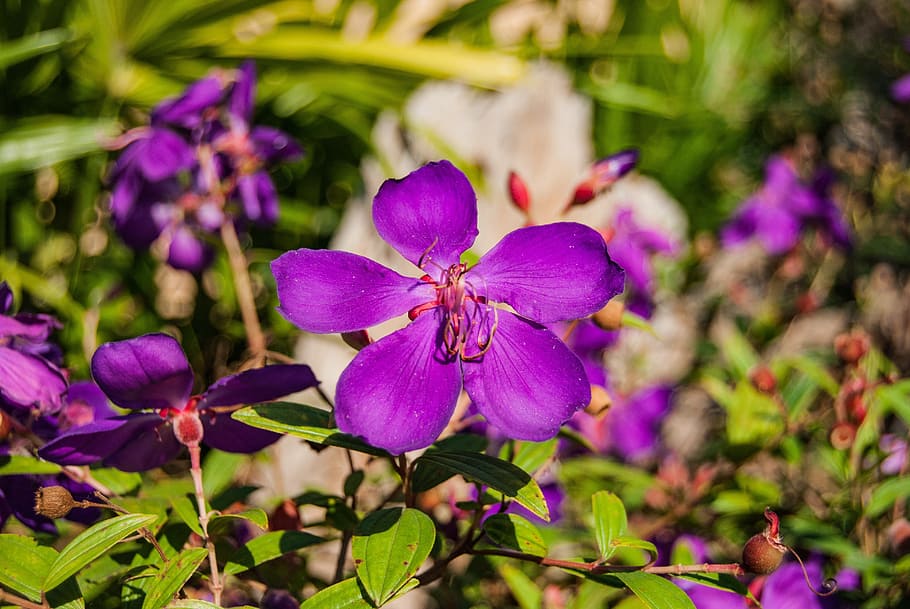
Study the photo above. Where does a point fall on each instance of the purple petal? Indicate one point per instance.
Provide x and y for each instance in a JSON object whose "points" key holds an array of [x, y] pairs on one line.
{"points": [[786, 587], [431, 214], [260, 201], [6, 298], [188, 251], [327, 291], [163, 155], [272, 145], [186, 110], [131, 442], [85, 403], [900, 89], [149, 371], [224, 433], [549, 273], [706, 597], [240, 103], [258, 385], [399, 392], [528, 383], [28, 381], [634, 423]]}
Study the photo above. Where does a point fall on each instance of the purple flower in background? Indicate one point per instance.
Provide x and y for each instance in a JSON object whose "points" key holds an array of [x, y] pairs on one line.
{"points": [[30, 374], [900, 88], [786, 588], [783, 207], [399, 392], [630, 429], [151, 376], [198, 165], [633, 246]]}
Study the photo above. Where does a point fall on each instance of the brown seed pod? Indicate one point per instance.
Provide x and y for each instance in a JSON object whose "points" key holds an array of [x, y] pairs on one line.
{"points": [[764, 552], [53, 501]]}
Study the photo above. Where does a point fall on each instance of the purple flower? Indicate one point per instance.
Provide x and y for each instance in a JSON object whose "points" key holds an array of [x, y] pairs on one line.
{"points": [[630, 429], [198, 165], [30, 376], [151, 376], [783, 207], [786, 588], [399, 392]]}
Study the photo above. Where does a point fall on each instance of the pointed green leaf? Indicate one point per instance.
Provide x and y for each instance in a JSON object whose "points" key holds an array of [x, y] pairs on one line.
{"points": [[655, 591], [254, 515], [515, 532], [346, 594], [499, 475], [20, 464], [92, 543], [26, 573], [388, 548], [609, 521], [218, 470], [172, 577], [185, 509], [121, 483], [67, 595], [531, 456], [302, 421], [266, 547], [622, 541], [43, 141], [525, 591], [20, 49], [885, 494]]}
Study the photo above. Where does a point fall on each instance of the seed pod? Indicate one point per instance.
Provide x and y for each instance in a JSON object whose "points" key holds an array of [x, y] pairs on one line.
{"points": [[6, 425], [764, 552], [53, 501], [610, 317]]}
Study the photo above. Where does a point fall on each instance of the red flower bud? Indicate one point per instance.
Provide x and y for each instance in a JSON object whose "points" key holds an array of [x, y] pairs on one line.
{"points": [[763, 379], [842, 436], [518, 191], [852, 347], [188, 428]]}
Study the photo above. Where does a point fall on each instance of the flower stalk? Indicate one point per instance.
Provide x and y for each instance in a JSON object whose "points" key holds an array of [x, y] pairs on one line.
{"points": [[244, 290], [196, 473]]}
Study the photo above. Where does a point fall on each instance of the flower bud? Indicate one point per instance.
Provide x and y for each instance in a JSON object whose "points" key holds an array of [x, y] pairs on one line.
{"points": [[53, 501], [899, 537], [6, 426], [600, 401], [610, 317], [842, 435], [763, 379], [356, 340], [188, 428], [518, 192], [852, 347]]}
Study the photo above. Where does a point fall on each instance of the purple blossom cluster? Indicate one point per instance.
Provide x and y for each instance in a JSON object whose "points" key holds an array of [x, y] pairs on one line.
{"points": [[199, 164], [784, 207]]}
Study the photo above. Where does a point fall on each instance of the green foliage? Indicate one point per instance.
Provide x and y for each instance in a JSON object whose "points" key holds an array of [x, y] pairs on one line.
{"points": [[389, 547], [172, 577], [609, 521], [266, 547], [654, 591]]}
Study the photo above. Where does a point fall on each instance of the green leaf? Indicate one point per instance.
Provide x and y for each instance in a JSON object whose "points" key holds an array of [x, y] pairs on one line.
{"points": [[515, 532], [337, 512], [256, 516], [185, 509], [20, 49], [523, 588], [885, 494], [44, 141], [121, 483], [815, 371], [67, 595], [655, 591], [20, 464], [610, 521], [622, 541], [531, 456], [388, 548], [218, 470], [92, 543], [27, 572], [193, 603], [302, 421], [499, 475], [266, 547], [346, 594], [172, 577]]}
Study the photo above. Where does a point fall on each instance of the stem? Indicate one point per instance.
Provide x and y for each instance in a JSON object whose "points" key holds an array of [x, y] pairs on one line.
{"points": [[145, 532], [596, 568], [196, 472], [19, 601], [254, 336], [342, 555]]}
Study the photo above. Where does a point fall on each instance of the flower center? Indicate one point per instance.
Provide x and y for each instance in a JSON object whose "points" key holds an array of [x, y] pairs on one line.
{"points": [[464, 309]]}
